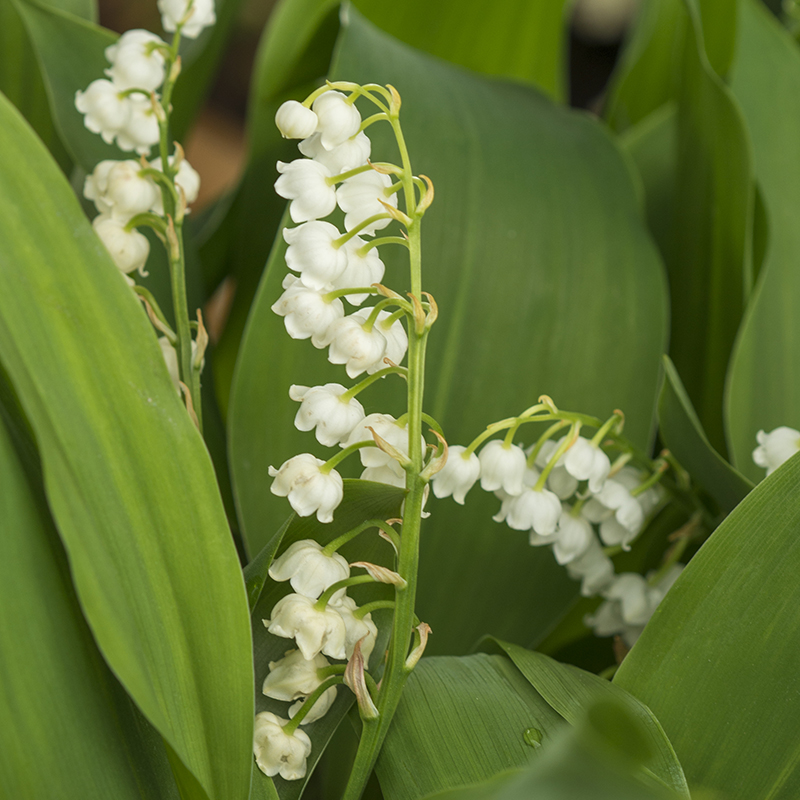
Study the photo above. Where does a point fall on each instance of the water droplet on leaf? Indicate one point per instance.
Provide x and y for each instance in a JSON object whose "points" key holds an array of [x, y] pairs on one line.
{"points": [[533, 737]]}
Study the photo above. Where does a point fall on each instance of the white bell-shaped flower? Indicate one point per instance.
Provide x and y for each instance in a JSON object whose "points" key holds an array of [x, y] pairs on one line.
{"points": [[136, 61], [458, 475], [305, 183], [395, 335], [338, 119], [308, 489], [631, 592], [129, 249], [140, 132], [573, 537], [313, 252], [387, 428], [173, 12], [308, 569], [306, 313], [96, 185], [536, 510], [315, 630], [593, 568], [352, 344], [502, 467], [363, 269], [295, 121], [279, 753], [391, 476], [352, 153], [128, 192], [587, 462], [361, 630], [318, 710], [187, 179], [105, 111], [294, 676], [776, 447], [323, 411], [359, 198]]}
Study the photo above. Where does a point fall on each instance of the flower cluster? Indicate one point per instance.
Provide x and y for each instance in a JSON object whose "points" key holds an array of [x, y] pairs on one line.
{"points": [[567, 493], [776, 447], [324, 623], [329, 268]]}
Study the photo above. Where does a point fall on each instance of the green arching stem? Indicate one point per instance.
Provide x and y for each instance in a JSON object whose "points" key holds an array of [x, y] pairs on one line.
{"points": [[598, 437], [331, 296], [569, 440], [362, 251], [351, 173], [342, 540], [378, 307], [343, 454], [501, 425], [546, 436], [659, 470], [368, 608], [331, 669], [326, 596], [346, 237], [293, 723], [394, 316], [379, 117], [359, 387]]}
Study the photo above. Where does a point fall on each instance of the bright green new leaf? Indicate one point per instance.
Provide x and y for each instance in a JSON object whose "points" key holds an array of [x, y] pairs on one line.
{"points": [[129, 482], [67, 722], [571, 692], [546, 282], [683, 434], [764, 382], [362, 501], [718, 661], [460, 721]]}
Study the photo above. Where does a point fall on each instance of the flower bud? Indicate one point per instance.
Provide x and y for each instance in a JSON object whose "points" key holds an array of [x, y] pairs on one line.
{"points": [[135, 63], [295, 121], [129, 249], [276, 752], [338, 119]]}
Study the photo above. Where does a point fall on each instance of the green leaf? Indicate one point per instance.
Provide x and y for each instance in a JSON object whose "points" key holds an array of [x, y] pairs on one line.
{"points": [[593, 761], [571, 692], [363, 500], [764, 381], [460, 721], [128, 479], [715, 661], [546, 281], [683, 434], [67, 720]]}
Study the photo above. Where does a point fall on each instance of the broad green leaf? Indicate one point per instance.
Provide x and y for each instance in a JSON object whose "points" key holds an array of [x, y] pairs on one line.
{"points": [[682, 433], [764, 381], [546, 281], [650, 70], [67, 722], [460, 721], [571, 692], [363, 501], [128, 479], [596, 760], [717, 659]]}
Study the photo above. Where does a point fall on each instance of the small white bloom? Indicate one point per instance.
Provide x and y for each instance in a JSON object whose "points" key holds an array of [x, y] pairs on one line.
{"points": [[307, 313], [173, 12], [573, 537], [502, 467], [362, 630], [458, 475], [276, 752], [314, 254], [352, 153], [386, 474], [322, 408], [387, 428], [305, 183], [96, 185], [318, 710], [776, 447], [140, 132], [594, 569], [358, 197], [351, 344], [308, 489], [315, 630], [135, 62], [338, 119], [628, 514], [293, 676], [127, 191], [187, 179], [308, 569], [631, 592], [537, 510], [105, 112], [395, 335], [129, 249], [586, 461], [363, 269], [295, 121]]}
